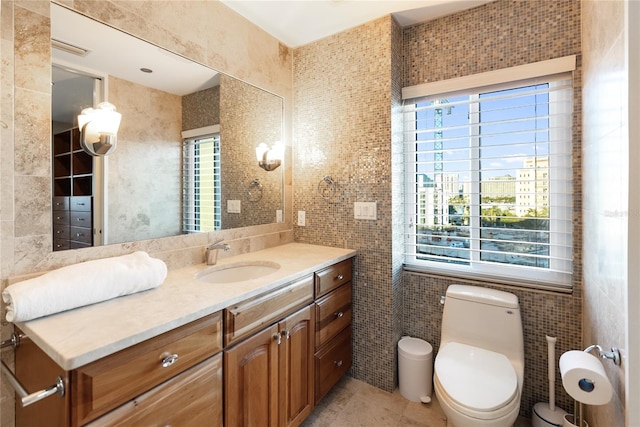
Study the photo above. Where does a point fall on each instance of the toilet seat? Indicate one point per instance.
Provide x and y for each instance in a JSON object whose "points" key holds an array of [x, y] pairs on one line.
{"points": [[479, 382]]}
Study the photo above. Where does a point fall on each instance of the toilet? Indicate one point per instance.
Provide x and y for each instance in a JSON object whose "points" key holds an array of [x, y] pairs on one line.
{"points": [[478, 371]]}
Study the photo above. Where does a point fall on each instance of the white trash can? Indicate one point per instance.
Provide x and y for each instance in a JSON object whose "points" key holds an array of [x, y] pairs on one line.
{"points": [[415, 369]]}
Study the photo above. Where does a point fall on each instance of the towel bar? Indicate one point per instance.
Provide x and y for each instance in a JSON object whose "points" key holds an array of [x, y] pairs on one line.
{"points": [[27, 398]]}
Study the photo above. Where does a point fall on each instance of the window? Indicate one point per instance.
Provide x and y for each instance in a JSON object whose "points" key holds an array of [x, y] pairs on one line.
{"points": [[488, 181], [201, 183]]}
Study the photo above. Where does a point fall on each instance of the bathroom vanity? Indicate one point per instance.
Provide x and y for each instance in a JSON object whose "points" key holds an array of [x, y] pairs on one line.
{"points": [[194, 353]]}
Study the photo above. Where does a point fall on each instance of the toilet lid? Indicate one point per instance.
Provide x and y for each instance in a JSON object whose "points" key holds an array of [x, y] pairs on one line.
{"points": [[476, 378]]}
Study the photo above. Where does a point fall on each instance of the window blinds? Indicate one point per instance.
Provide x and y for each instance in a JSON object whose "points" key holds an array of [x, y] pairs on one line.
{"points": [[489, 181], [201, 184]]}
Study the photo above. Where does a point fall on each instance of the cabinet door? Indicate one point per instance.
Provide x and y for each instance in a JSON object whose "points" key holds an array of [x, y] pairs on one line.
{"points": [[296, 367], [251, 380]]}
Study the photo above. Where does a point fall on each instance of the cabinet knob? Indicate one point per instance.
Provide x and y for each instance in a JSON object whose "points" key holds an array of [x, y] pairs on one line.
{"points": [[338, 363], [339, 277], [278, 338], [169, 360], [339, 314], [286, 334]]}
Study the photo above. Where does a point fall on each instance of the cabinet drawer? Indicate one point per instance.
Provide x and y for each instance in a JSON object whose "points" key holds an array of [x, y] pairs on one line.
{"points": [[332, 277], [333, 314], [82, 203], [81, 234], [332, 362], [60, 231], [60, 244], [61, 217], [191, 399], [249, 316], [80, 219], [60, 203], [116, 379]]}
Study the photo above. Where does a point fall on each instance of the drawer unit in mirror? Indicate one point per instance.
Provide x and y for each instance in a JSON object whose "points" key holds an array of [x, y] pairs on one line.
{"points": [[73, 192]]}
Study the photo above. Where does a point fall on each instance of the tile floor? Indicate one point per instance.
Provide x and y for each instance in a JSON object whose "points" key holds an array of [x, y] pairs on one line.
{"points": [[354, 403]]}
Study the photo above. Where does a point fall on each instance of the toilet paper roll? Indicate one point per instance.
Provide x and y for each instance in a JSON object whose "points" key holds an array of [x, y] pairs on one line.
{"points": [[584, 378]]}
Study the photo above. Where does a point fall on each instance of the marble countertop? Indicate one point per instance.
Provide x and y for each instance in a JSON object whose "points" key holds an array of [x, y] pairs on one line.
{"points": [[77, 337]]}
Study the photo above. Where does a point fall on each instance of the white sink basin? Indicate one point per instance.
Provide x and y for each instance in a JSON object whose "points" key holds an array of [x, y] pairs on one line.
{"points": [[238, 271]]}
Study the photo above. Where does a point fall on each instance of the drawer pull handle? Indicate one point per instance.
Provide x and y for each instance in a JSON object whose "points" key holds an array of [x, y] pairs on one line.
{"points": [[79, 234], [80, 219], [169, 360], [339, 277], [338, 363], [278, 338], [339, 314]]}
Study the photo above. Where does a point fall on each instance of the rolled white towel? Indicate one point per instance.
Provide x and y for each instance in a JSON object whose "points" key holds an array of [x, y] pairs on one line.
{"points": [[82, 284]]}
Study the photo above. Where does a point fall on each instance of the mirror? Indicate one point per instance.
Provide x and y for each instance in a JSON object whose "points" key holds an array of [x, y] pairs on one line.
{"points": [[138, 192]]}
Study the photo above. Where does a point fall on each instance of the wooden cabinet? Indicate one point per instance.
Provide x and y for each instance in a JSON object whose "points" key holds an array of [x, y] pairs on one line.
{"points": [[128, 387], [296, 367], [283, 351], [251, 315], [185, 400], [269, 376], [72, 204], [251, 380], [333, 354], [276, 375]]}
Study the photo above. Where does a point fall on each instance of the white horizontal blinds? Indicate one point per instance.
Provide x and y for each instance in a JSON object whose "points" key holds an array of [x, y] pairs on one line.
{"points": [[489, 181], [201, 184]]}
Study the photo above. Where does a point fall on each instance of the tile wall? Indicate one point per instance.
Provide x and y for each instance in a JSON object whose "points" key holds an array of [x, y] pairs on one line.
{"points": [[343, 97], [503, 34], [25, 98], [345, 114], [248, 117]]}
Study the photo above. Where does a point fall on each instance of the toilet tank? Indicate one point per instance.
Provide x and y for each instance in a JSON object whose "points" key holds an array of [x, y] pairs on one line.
{"points": [[485, 318]]}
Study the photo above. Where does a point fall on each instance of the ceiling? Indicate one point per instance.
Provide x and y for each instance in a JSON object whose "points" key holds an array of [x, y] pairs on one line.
{"points": [[298, 22], [293, 22]]}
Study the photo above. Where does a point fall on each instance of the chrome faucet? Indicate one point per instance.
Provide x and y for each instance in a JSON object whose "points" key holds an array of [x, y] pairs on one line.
{"points": [[211, 252]]}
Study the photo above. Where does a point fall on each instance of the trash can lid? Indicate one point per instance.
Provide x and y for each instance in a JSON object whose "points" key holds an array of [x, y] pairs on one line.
{"points": [[415, 346]]}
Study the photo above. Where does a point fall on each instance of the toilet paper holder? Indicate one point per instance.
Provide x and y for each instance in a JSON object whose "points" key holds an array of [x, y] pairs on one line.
{"points": [[614, 354]]}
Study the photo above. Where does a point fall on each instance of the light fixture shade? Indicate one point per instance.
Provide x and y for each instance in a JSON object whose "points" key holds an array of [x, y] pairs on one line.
{"points": [[99, 128], [270, 159], [261, 149]]}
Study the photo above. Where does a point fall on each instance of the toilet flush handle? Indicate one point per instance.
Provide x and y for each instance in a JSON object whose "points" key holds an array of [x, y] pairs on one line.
{"points": [[442, 298]]}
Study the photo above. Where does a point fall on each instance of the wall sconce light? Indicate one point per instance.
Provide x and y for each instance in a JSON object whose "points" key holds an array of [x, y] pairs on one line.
{"points": [[270, 159], [99, 128]]}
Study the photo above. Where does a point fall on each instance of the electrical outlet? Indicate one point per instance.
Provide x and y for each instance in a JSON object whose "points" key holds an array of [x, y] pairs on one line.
{"points": [[233, 206], [365, 210], [279, 215], [301, 218]]}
